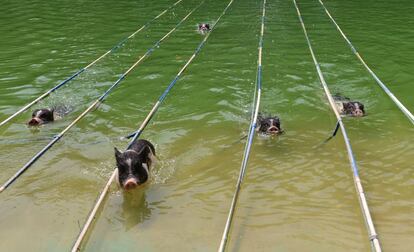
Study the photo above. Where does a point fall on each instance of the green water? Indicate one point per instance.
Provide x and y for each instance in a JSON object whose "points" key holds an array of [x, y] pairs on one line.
{"points": [[295, 197]]}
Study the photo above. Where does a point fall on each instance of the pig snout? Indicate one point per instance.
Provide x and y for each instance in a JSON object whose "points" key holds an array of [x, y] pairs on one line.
{"points": [[130, 184], [273, 130], [34, 121], [358, 113]]}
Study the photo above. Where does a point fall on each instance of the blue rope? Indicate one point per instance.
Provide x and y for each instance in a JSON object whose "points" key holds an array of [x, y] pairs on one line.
{"points": [[113, 49], [100, 99], [249, 142], [162, 97], [357, 181], [66, 81]]}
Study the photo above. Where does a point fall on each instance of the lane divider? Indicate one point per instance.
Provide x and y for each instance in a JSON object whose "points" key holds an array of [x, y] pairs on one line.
{"points": [[252, 127], [373, 236]]}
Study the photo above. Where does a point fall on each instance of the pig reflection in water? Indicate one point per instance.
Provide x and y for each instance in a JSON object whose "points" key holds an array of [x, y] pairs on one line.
{"points": [[135, 208], [134, 164]]}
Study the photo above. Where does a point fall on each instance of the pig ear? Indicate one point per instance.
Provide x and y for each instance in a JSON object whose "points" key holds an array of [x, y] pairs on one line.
{"points": [[260, 116], [117, 153], [35, 112]]}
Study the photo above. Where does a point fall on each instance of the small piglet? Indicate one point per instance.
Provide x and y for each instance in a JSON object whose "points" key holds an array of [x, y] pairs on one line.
{"points": [[203, 28], [134, 164], [41, 116], [268, 125], [353, 108], [347, 107]]}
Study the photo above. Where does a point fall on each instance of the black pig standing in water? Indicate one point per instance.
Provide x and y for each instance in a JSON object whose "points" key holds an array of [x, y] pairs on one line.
{"points": [[134, 164]]}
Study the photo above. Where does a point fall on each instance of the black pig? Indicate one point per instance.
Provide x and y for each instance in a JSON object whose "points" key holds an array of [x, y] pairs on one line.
{"points": [[134, 164], [41, 116], [268, 125], [348, 107], [203, 28]]}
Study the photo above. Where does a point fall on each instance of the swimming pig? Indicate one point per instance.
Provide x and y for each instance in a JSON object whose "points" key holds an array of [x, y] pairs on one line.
{"points": [[348, 107], [46, 115], [41, 116], [268, 124], [203, 28], [134, 164]]}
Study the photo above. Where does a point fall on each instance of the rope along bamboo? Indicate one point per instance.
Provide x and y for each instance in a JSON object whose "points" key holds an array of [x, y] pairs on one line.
{"points": [[379, 82], [41, 97], [93, 105], [249, 141], [104, 192], [373, 237]]}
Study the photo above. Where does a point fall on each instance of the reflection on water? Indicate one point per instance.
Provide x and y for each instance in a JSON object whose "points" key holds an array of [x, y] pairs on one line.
{"points": [[135, 209], [298, 193]]}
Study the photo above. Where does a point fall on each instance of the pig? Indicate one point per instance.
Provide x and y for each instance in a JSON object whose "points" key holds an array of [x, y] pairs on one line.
{"points": [[41, 116], [347, 107], [268, 125], [203, 28], [133, 165]]}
